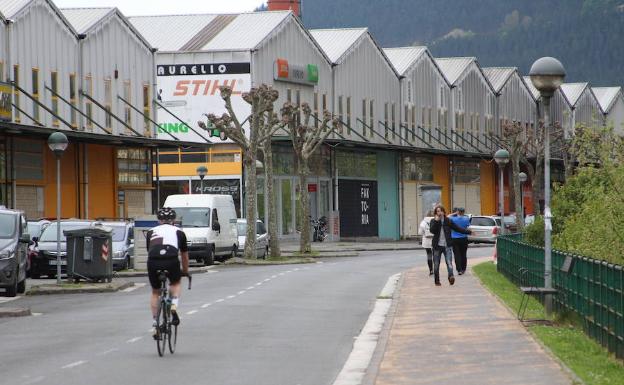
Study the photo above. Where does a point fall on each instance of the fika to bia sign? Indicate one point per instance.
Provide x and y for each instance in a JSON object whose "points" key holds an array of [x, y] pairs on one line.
{"points": [[190, 90]]}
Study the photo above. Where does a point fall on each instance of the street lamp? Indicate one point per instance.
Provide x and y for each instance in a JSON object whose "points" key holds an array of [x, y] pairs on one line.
{"points": [[522, 177], [201, 171], [501, 157], [57, 142], [547, 74]]}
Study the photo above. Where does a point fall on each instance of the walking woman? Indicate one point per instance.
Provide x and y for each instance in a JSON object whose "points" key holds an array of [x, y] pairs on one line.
{"points": [[441, 227], [426, 235]]}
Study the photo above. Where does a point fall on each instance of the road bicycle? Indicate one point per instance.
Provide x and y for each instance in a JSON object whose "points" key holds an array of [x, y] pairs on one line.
{"points": [[166, 332]]}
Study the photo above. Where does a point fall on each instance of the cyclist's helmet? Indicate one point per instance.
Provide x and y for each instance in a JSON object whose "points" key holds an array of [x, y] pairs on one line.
{"points": [[166, 214]]}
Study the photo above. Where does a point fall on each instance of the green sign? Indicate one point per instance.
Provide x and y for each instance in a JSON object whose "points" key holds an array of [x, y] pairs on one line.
{"points": [[313, 73], [173, 128]]}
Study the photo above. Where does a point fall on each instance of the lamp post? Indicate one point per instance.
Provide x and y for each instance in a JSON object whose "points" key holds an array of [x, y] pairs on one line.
{"points": [[57, 142], [201, 171], [522, 177], [547, 74], [501, 157]]}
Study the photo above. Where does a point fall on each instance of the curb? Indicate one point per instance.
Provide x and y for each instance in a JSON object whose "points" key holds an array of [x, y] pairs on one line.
{"points": [[132, 274], [366, 344], [407, 248], [6, 312], [322, 254], [262, 262], [106, 289]]}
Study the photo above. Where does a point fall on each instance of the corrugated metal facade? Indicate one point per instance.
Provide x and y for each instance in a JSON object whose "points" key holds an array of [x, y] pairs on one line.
{"points": [[515, 103]]}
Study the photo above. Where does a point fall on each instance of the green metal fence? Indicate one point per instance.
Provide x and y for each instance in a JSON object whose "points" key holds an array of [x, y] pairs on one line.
{"points": [[593, 289]]}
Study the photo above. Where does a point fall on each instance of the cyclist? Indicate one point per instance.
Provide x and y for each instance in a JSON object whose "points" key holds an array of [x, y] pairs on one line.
{"points": [[164, 242]]}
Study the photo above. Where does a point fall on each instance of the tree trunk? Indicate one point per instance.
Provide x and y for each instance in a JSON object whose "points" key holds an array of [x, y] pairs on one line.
{"points": [[517, 187], [250, 203], [304, 240], [274, 247]]}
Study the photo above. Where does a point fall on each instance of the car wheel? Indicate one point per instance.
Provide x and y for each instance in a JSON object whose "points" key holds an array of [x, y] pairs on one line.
{"points": [[209, 258], [126, 263], [21, 287], [234, 251], [11, 291]]}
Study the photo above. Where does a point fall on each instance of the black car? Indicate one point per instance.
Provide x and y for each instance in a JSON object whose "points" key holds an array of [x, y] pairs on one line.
{"points": [[14, 240], [45, 261]]}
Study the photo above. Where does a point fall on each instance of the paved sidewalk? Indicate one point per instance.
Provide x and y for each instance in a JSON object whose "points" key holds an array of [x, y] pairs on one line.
{"points": [[459, 334]]}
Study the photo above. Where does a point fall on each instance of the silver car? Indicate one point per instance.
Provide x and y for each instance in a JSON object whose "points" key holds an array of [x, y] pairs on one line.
{"points": [[123, 244], [262, 238], [484, 229]]}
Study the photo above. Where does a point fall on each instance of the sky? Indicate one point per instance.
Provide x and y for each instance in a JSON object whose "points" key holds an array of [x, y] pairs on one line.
{"points": [[166, 7]]}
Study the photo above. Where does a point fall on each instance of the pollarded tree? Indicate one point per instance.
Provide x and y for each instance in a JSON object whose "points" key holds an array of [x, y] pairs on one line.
{"points": [[306, 140], [263, 123]]}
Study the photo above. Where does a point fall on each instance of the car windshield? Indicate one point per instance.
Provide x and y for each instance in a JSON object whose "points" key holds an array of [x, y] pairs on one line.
{"points": [[119, 233], [7, 225], [481, 221], [49, 234], [34, 229], [193, 216]]}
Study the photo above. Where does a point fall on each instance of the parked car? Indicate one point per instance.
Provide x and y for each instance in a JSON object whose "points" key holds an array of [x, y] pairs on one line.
{"points": [[44, 262], [14, 240], [123, 244], [209, 222], [529, 219], [262, 238], [484, 229], [34, 230]]}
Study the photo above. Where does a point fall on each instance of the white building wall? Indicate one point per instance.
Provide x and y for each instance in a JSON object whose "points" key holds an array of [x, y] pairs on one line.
{"points": [[293, 44], [587, 110], [516, 102], [426, 99], [365, 75], [560, 112], [616, 115], [132, 60], [40, 40]]}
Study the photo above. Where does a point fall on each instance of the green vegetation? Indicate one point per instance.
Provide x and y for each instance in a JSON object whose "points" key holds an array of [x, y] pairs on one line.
{"points": [[587, 359], [584, 34]]}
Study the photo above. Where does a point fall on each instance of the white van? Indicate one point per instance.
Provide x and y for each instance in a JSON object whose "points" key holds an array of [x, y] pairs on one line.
{"points": [[209, 222]]}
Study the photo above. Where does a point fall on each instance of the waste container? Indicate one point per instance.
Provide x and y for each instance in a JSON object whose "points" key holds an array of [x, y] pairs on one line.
{"points": [[90, 254]]}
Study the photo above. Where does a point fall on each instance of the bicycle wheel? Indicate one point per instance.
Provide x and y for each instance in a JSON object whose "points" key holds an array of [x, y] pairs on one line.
{"points": [[173, 336], [161, 328]]}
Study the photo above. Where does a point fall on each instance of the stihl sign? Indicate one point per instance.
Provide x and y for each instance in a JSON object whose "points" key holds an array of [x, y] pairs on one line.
{"points": [[205, 87]]}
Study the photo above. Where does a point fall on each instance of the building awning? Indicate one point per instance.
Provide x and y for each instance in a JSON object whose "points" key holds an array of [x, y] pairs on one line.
{"points": [[31, 131]]}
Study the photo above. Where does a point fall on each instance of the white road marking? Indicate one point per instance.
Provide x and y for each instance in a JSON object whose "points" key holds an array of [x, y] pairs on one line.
{"points": [[191, 312], [8, 299], [250, 288], [267, 280], [205, 305], [231, 296], [319, 262], [289, 271], [73, 364], [274, 276], [354, 369], [297, 269], [241, 292], [212, 271], [109, 351], [34, 380], [133, 340], [134, 287], [36, 314], [219, 300], [282, 273]]}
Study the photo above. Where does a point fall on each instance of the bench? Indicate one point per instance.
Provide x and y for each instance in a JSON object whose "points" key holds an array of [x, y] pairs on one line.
{"points": [[527, 289]]}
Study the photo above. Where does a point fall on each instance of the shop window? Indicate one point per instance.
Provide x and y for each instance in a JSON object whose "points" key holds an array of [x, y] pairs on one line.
{"points": [[55, 100], [348, 115], [88, 103], [29, 159], [364, 117], [467, 171], [108, 103], [16, 93], [127, 92], [356, 164], [418, 168], [35, 93], [147, 107], [134, 166], [73, 100]]}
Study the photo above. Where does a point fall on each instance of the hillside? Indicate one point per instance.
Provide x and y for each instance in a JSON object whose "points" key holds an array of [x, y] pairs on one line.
{"points": [[586, 35]]}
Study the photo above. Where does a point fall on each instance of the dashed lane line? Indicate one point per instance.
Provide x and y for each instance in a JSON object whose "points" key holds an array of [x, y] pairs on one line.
{"points": [[219, 300], [206, 305], [191, 312], [250, 288], [74, 364], [134, 287], [241, 292], [230, 296], [133, 340]]}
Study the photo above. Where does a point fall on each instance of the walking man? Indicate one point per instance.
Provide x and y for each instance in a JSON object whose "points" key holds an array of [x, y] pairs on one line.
{"points": [[460, 240], [441, 227]]}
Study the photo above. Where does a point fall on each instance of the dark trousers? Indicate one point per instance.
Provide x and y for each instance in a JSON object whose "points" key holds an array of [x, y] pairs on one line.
{"points": [[430, 260], [460, 248]]}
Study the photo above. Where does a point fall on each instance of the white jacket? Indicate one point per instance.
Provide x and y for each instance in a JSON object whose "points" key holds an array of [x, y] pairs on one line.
{"points": [[423, 230]]}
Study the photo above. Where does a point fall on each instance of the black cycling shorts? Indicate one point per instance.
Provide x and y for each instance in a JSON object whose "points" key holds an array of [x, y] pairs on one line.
{"points": [[172, 265]]}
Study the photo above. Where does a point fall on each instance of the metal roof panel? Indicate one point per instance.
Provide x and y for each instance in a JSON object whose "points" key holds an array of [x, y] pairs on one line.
{"points": [[170, 32], [246, 31], [529, 83], [82, 19], [9, 8], [573, 91], [454, 67], [403, 58], [498, 76], [335, 42], [606, 96]]}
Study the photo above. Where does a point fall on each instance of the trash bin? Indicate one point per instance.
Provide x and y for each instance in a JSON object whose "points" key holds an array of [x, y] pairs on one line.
{"points": [[90, 254]]}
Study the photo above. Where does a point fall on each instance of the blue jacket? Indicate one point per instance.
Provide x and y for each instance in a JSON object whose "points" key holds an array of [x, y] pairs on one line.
{"points": [[461, 221]]}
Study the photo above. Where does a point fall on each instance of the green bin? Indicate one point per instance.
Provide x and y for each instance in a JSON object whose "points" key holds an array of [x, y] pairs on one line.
{"points": [[90, 254]]}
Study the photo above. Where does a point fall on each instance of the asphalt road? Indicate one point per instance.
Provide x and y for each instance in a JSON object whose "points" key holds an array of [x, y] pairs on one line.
{"points": [[261, 325]]}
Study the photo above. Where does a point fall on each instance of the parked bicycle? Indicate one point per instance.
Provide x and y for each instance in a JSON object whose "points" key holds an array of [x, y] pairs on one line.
{"points": [[320, 229], [165, 330]]}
